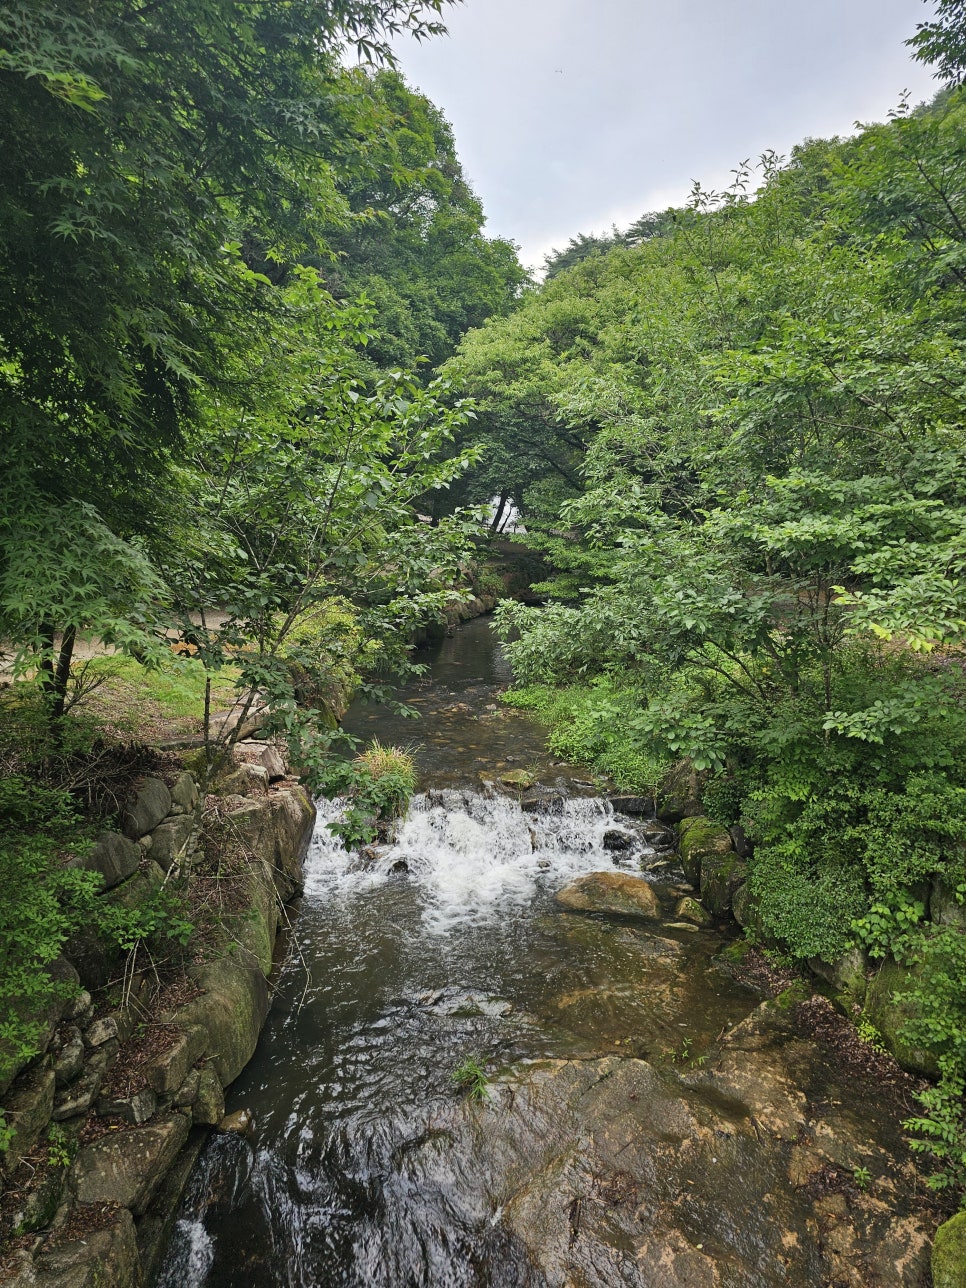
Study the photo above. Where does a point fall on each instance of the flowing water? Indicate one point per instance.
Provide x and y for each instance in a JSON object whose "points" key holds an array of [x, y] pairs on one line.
{"points": [[445, 945]]}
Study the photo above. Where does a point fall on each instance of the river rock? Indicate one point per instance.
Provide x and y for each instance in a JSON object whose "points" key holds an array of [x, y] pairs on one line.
{"points": [[612, 1172], [231, 1010], [611, 893], [278, 829], [145, 810], [636, 806], [126, 1167], [208, 1109], [108, 1256], [890, 1017], [691, 910], [949, 1254], [721, 875], [520, 779], [699, 837], [240, 1123]]}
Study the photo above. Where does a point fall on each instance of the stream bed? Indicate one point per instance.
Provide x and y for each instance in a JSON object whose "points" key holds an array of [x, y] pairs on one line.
{"points": [[646, 1120]]}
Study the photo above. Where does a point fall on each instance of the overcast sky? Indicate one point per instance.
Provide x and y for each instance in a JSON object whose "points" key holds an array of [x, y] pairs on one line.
{"points": [[572, 115]]}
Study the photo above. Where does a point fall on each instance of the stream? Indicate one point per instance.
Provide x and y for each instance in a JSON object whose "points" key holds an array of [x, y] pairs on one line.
{"points": [[368, 1165]]}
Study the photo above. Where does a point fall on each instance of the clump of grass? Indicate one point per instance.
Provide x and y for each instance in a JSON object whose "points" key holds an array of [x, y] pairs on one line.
{"points": [[378, 783], [471, 1077]]}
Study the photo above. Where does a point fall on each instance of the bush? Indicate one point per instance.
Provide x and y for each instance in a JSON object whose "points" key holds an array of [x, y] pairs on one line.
{"points": [[377, 784]]}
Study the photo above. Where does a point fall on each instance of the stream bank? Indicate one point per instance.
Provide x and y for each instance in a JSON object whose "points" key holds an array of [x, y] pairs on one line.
{"points": [[644, 1117]]}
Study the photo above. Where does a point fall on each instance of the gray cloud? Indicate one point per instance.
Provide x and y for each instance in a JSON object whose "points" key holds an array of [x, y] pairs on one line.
{"points": [[571, 115]]}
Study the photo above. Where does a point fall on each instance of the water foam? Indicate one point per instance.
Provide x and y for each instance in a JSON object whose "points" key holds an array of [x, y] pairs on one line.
{"points": [[474, 856]]}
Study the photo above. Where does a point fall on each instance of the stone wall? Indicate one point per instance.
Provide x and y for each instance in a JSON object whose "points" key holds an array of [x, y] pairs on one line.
{"points": [[96, 1164]]}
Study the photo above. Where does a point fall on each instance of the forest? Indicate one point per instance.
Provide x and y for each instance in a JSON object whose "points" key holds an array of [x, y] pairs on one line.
{"points": [[262, 371]]}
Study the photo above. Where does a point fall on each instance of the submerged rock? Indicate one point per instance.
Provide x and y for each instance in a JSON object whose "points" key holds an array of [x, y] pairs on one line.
{"points": [[611, 893]]}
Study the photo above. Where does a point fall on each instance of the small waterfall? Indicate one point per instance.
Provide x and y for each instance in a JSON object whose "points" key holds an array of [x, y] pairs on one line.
{"points": [[473, 855]]}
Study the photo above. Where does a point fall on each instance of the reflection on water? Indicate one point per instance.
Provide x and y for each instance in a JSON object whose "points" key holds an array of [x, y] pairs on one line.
{"points": [[447, 944]]}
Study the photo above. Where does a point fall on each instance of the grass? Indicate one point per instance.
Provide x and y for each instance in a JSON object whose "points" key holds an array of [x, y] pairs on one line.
{"points": [[470, 1076], [587, 723], [146, 703]]}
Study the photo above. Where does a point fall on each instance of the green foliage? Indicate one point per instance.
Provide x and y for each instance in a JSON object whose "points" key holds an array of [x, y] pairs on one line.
{"points": [[588, 725], [862, 1177], [377, 786], [59, 1150], [471, 1076]]}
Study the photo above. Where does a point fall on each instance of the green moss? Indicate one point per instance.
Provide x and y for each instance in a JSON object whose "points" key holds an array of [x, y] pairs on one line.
{"points": [[949, 1254]]}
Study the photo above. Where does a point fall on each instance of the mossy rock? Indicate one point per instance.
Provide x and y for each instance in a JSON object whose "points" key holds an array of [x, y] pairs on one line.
{"points": [[744, 909], [691, 910], [700, 838], [949, 1254], [891, 1017], [848, 974], [721, 876]]}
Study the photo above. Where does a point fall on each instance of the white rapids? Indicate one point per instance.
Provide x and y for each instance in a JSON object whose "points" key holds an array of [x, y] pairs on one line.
{"points": [[473, 856]]}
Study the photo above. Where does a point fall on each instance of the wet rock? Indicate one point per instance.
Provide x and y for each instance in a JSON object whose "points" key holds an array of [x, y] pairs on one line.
{"points": [[721, 876], [658, 834], [240, 1123], [517, 778], [150, 804], [611, 893], [108, 1256], [636, 806], [949, 1254], [691, 910], [28, 1108], [543, 800], [126, 1167], [618, 842], [170, 841], [208, 1109]]}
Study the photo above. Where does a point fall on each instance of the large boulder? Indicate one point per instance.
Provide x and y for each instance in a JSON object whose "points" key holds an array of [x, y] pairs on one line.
{"points": [[170, 841], [114, 856], [890, 1016], [848, 974], [611, 893], [945, 909], [700, 838], [949, 1254], [28, 1109], [278, 829], [103, 1258], [146, 808], [126, 1167], [257, 928], [721, 876], [66, 986], [168, 1071], [231, 1010]]}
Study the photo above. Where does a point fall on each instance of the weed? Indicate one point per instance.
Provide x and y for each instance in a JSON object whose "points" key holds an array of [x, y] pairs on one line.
{"points": [[470, 1076], [862, 1176]]}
